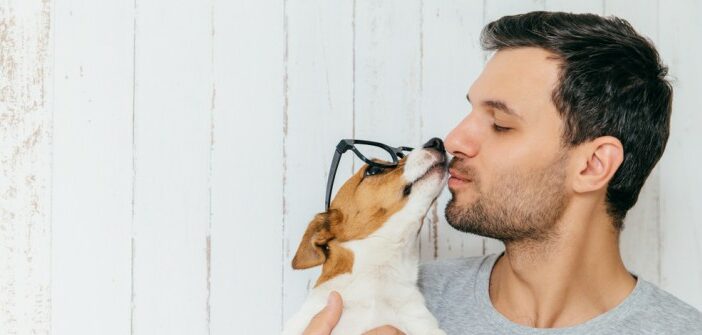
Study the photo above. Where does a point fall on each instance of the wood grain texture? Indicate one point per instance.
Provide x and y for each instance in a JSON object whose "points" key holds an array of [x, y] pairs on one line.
{"points": [[172, 143], [248, 167], [387, 73], [92, 168], [25, 165], [319, 91]]}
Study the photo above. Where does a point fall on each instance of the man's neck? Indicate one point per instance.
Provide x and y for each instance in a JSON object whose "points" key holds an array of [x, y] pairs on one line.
{"points": [[569, 279]]}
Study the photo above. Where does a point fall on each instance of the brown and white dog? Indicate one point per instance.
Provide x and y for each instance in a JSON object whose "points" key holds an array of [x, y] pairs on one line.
{"points": [[366, 244]]}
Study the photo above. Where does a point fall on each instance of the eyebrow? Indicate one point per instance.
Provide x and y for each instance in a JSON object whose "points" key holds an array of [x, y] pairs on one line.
{"points": [[499, 105]]}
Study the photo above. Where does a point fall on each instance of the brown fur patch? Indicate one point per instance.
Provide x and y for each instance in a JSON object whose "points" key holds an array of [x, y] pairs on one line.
{"points": [[312, 249], [339, 261], [360, 207], [367, 202]]}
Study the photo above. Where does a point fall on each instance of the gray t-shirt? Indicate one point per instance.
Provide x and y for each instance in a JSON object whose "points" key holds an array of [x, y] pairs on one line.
{"points": [[456, 292]]}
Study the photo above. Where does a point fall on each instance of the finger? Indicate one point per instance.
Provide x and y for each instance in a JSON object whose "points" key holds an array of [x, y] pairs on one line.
{"points": [[384, 330], [324, 321]]}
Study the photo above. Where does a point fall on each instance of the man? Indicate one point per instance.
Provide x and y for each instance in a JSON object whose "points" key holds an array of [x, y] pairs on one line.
{"points": [[569, 117]]}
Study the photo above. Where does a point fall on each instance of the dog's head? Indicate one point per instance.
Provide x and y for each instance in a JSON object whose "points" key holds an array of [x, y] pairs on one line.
{"points": [[385, 203]]}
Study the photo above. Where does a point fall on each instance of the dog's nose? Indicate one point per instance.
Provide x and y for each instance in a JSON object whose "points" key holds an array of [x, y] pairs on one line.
{"points": [[435, 143]]}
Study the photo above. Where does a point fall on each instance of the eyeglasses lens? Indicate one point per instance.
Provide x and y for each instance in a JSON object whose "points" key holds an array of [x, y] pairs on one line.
{"points": [[374, 153]]}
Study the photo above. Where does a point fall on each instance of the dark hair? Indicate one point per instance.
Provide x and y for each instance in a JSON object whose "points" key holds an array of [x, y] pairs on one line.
{"points": [[611, 82]]}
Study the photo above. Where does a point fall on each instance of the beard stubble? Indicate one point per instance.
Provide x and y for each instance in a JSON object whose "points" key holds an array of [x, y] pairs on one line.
{"points": [[521, 206]]}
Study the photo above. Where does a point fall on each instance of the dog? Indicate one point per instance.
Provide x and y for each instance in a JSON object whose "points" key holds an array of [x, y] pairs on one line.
{"points": [[367, 245]]}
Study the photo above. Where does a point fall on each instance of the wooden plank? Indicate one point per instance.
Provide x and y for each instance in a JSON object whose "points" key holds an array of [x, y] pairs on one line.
{"points": [[451, 59], [172, 136], [388, 84], [681, 182], [494, 9], [319, 95], [92, 168], [639, 241], [387, 71], [248, 162], [595, 7], [25, 165]]}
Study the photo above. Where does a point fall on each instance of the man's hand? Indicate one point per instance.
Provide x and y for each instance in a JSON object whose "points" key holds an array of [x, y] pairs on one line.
{"points": [[326, 319], [324, 322], [384, 330]]}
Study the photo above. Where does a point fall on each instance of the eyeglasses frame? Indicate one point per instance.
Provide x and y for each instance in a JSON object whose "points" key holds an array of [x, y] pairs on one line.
{"points": [[346, 144]]}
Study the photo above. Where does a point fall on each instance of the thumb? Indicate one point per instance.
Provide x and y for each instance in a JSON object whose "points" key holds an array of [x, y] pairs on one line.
{"points": [[323, 323]]}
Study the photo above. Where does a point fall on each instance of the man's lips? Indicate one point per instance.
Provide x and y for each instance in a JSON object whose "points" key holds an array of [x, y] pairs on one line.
{"points": [[454, 174]]}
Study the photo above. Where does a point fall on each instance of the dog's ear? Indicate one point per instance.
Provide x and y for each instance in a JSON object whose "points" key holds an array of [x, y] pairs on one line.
{"points": [[313, 247]]}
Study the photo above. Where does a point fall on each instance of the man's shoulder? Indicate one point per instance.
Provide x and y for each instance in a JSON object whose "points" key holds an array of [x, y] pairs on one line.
{"points": [[435, 275], [442, 267], [664, 309]]}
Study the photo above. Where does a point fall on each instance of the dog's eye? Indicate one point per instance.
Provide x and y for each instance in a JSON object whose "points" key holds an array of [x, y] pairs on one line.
{"points": [[373, 170]]}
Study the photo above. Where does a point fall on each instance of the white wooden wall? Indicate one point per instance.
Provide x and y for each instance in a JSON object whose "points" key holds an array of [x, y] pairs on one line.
{"points": [[161, 159]]}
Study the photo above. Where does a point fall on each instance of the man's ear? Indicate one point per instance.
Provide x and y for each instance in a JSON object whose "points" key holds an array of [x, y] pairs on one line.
{"points": [[604, 156], [313, 247]]}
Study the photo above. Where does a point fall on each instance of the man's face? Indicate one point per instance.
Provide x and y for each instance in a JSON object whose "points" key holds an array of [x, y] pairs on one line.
{"points": [[509, 185]]}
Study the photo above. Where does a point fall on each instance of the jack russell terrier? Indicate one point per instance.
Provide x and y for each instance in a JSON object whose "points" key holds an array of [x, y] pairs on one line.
{"points": [[366, 243]]}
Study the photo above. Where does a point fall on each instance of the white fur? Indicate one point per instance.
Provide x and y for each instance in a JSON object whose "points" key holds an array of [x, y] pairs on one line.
{"points": [[382, 286]]}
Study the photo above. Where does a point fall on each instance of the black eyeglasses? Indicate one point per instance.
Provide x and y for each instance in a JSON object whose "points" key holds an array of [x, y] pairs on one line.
{"points": [[373, 153]]}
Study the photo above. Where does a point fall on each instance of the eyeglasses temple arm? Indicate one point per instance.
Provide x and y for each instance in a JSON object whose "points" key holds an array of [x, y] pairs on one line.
{"points": [[330, 179]]}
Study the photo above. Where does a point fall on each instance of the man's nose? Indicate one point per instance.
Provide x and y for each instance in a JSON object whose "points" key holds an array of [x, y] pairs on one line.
{"points": [[435, 143], [464, 138]]}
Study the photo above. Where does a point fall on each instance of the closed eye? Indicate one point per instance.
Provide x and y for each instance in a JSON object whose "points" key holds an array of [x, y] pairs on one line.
{"points": [[500, 129]]}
